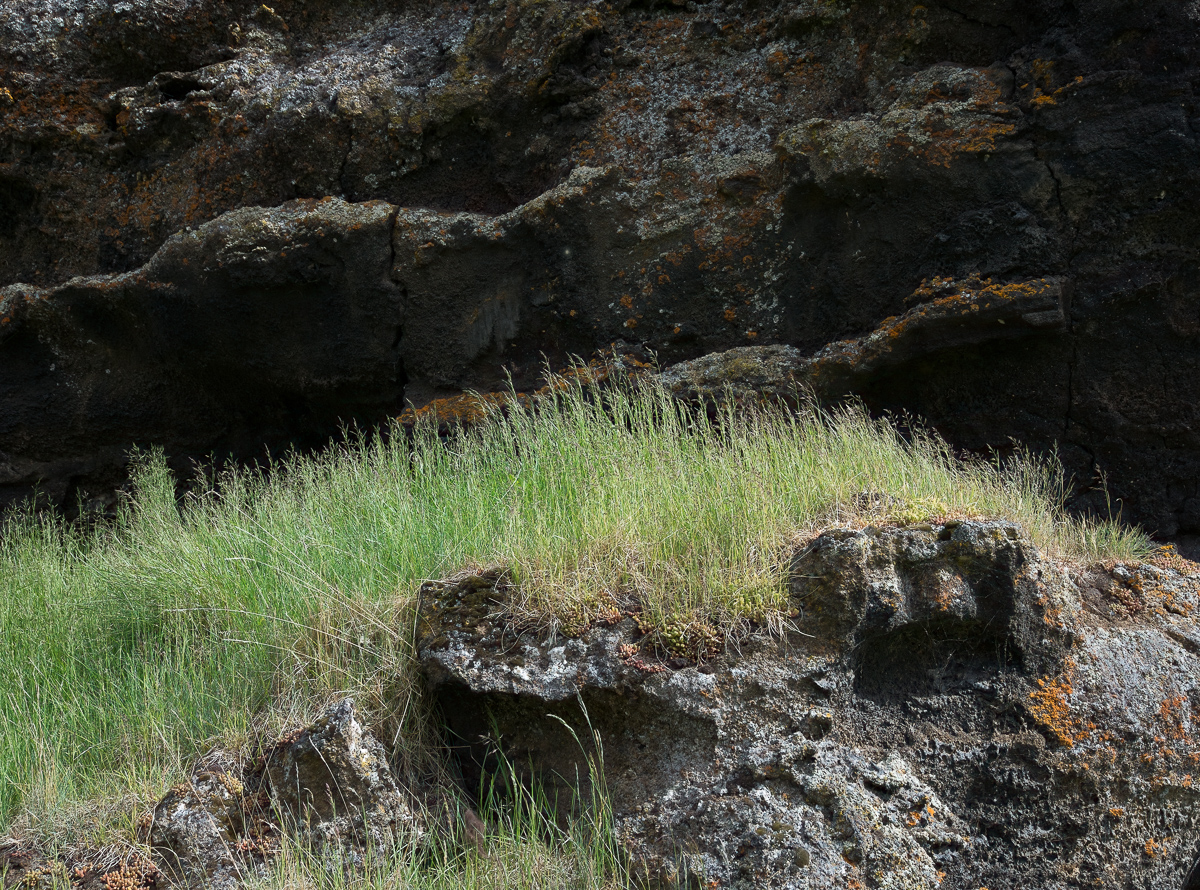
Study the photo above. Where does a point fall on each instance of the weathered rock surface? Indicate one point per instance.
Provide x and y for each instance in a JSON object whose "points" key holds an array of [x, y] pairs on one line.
{"points": [[950, 710], [328, 785], [201, 827], [955, 316], [265, 324], [333, 785], [513, 180]]}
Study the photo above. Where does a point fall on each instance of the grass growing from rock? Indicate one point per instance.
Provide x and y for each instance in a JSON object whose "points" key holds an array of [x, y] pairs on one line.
{"points": [[125, 652]]}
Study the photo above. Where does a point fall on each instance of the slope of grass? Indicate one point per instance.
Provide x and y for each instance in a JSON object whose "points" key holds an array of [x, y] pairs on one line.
{"points": [[125, 652]]}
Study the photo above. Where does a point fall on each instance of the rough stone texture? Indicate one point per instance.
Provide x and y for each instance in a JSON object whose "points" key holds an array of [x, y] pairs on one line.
{"points": [[262, 324], [957, 317], [197, 827], [951, 710], [686, 177], [332, 784], [329, 785]]}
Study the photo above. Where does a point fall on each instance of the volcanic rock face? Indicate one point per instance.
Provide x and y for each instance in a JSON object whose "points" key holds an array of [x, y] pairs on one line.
{"points": [[262, 324], [951, 710], [225, 225]]}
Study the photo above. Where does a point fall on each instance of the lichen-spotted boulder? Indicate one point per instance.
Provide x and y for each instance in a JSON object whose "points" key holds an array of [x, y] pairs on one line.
{"points": [[332, 784], [199, 827]]}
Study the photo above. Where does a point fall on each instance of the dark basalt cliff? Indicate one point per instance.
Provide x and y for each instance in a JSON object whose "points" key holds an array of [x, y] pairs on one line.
{"points": [[225, 226]]}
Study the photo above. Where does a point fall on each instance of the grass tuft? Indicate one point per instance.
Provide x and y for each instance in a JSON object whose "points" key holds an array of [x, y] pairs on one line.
{"points": [[130, 650]]}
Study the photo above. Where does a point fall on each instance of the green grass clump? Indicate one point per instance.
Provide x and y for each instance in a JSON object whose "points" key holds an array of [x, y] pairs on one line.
{"points": [[126, 651]]}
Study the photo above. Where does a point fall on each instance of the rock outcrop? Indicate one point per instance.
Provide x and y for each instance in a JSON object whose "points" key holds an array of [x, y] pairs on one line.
{"points": [[328, 785], [204, 830], [263, 325], [332, 784], [950, 709], [225, 225]]}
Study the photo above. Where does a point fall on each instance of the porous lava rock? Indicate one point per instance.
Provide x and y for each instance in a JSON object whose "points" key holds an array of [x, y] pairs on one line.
{"points": [[328, 786], [198, 827], [949, 709], [331, 784], [536, 179]]}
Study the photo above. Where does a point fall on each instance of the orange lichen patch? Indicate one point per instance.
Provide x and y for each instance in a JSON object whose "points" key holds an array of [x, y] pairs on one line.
{"points": [[943, 302], [922, 815], [1167, 557], [1041, 85], [938, 286], [975, 291], [470, 408], [51, 109], [1049, 706], [1171, 713], [1042, 71], [1138, 591], [945, 594], [676, 257], [934, 125], [1155, 849], [942, 145], [465, 409]]}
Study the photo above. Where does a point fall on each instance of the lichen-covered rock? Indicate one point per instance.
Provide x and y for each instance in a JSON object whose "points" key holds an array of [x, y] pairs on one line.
{"points": [[461, 639], [332, 784], [870, 589], [328, 785], [952, 709], [687, 177], [198, 827], [745, 373], [950, 315]]}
